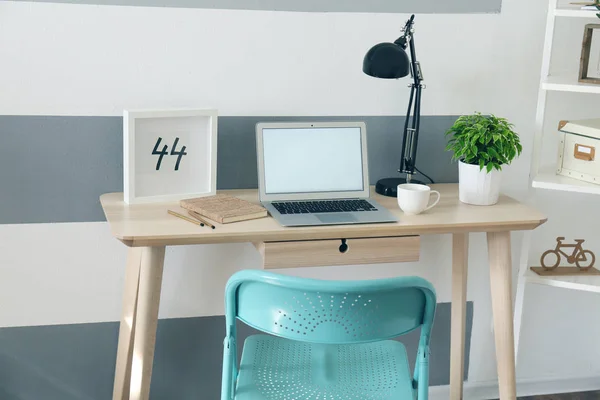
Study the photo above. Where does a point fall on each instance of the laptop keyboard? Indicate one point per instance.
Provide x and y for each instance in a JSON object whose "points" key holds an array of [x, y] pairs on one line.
{"points": [[322, 206]]}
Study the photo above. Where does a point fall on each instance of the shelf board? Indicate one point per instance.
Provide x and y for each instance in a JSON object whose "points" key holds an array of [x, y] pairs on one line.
{"points": [[568, 84], [550, 181], [575, 12], [584, 283]]}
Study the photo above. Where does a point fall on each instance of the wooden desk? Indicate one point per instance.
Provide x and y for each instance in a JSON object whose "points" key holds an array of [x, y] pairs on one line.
{"points": [[147, 229]]}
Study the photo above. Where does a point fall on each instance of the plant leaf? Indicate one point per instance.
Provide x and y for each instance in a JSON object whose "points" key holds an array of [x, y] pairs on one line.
{"points": [[484, 140]]}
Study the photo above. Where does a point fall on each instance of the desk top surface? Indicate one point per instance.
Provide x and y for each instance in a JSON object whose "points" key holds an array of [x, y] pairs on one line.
{"points": [[151, 225]]}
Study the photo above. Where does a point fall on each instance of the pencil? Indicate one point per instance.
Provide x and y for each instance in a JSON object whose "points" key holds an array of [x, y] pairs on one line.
{"points": [[200, 218], [193, 214], [193, 221]]}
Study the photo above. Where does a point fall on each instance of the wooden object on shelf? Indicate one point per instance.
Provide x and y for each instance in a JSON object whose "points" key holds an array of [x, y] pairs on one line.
{"points": [[224, 208], [565, 271], [586, 47], [577, 150], [583, 259]]}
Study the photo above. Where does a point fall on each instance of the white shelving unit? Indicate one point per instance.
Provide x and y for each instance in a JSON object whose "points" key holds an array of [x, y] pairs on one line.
{"points": [[572, 12], [547, 179], [550, 181], [568, 84], [585, 283]]}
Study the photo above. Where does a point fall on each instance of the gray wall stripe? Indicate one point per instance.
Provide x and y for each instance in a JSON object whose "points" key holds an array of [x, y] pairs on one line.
{"points": [[54, 168], [378, 6], [76, 362]]}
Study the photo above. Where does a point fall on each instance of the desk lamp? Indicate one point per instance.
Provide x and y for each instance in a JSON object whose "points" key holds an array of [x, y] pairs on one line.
{"points": [[390, 61]]}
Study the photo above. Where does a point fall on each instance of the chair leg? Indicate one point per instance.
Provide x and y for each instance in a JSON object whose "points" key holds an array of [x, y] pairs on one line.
{"points": [[227, 377], [423, 388]]}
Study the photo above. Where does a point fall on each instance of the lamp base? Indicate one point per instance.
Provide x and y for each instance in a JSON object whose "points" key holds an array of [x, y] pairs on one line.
{"points": [[389, 186]]}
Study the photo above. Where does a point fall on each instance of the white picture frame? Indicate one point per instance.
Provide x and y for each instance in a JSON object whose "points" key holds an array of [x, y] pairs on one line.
{"points": [[169, 155]]}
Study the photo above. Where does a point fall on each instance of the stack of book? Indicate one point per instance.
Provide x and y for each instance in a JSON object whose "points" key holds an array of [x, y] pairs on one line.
{"points": [[224, 209]]}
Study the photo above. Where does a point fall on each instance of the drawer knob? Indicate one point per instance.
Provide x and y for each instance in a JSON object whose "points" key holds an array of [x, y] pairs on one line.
{"points": [[343, 246]]}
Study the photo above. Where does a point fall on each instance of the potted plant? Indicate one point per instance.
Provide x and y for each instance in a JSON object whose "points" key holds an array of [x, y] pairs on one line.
{"points": [[482, 144]]}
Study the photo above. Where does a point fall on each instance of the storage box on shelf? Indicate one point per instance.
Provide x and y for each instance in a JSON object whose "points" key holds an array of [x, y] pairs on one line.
{"points": [[577, 150]]}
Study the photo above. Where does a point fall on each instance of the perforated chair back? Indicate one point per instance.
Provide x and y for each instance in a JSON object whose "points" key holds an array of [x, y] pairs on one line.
{"points": [[329, 311]]}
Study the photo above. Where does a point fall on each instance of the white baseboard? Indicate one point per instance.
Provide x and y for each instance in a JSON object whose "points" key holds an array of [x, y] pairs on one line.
{"points": [[525, 387]]}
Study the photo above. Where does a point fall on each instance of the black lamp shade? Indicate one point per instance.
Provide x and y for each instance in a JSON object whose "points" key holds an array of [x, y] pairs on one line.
{"points": [[387, 61]]}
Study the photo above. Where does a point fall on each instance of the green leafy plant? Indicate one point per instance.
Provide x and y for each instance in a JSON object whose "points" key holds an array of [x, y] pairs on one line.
{"points": [[484, 140], [597, 4]]}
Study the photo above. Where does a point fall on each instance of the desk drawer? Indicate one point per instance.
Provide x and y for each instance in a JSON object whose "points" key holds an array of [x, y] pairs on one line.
{"points": [[313, 253]]}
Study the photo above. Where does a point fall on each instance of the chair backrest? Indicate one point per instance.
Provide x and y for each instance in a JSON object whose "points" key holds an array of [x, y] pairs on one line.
{"points": [[329, 311]]}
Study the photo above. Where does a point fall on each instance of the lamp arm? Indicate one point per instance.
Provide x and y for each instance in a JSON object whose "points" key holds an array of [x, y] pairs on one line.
{"points": [[416, 127], [404, 163], [411, 135]]}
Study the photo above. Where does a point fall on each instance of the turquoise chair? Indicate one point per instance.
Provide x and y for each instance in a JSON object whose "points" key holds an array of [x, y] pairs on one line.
{"points": [[329, 340]]}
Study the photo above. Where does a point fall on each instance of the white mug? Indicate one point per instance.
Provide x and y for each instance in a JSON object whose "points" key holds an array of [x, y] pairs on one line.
{"points": [[414, 199]]}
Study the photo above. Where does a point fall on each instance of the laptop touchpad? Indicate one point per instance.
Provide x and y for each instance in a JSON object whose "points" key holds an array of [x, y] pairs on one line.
{"points": [[336, 218]]}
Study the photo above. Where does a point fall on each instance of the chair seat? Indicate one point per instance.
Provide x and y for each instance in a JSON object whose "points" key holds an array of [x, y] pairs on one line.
{"points": [[273, 368]]}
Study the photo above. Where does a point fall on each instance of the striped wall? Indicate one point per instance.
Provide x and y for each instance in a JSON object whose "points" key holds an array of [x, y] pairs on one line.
{"points": [[71, 161], [42, 151], [67, 72], [75, 362], [458, 6]]}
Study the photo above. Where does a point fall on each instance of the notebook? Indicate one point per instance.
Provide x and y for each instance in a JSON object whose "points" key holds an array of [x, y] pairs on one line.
{"points": [[224, 209]]}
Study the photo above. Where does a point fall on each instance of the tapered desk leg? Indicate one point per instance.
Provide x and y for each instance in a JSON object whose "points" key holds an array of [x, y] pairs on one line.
{"points": [[126, 329], [460, 257], [151, 272], [499, 254]]}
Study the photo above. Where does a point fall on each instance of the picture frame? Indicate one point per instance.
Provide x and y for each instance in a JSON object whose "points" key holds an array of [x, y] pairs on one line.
{"points": [[169, 155], [589, 67]]}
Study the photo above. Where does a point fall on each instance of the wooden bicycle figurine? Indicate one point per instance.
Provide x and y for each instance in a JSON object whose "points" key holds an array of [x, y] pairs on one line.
{"points": [[583, 259]]}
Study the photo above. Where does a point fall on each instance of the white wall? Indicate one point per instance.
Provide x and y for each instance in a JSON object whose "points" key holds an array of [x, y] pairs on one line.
{"points": [[98, 60]]}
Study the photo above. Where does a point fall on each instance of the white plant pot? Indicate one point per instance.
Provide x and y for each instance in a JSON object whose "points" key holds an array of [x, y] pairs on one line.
{"points": [[476, 186]]}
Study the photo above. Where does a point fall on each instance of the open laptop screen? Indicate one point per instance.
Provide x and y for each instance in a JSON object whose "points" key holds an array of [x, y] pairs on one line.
{"points": [[312, 160]]}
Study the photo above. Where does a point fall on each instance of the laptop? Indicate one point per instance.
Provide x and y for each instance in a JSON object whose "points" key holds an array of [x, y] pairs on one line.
{"points": [[316, 174]]}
